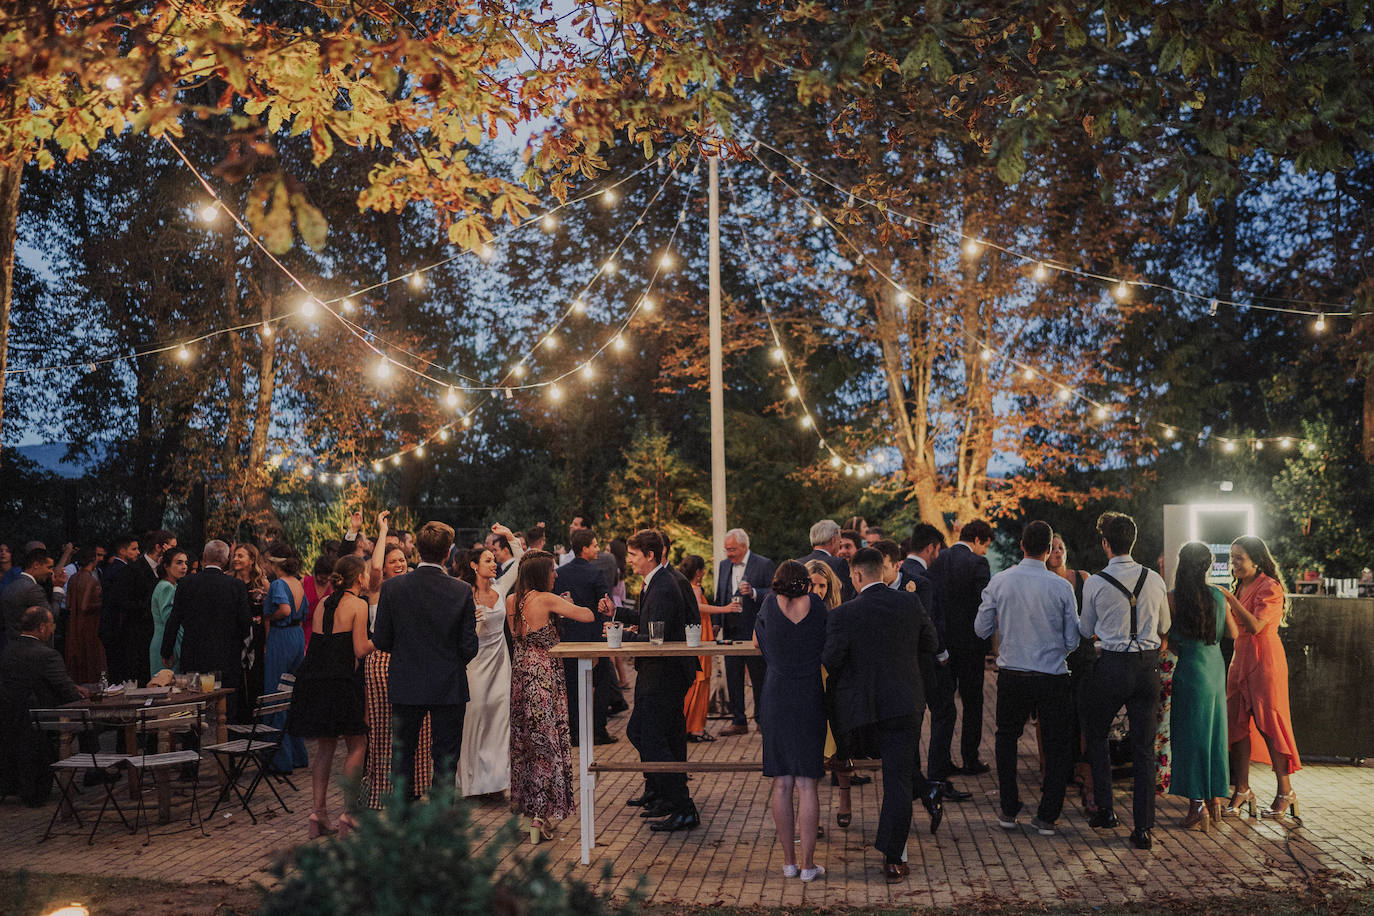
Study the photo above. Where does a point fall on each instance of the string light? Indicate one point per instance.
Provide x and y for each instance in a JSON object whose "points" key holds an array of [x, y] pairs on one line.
{"points": [[1259, 445], [817, 221], [266, 330], [972, 248], [338, 480], [1285, 443], [834, 461], [1168, 432], [377, 467], [806, 421], [548, 222], [309, 307], [1041, 273], [902, 297], [184, 353], [1320, 324], [551, 342], [451, 398], [417, 280], [518, 370], [305, 470], [555, 392], [579, 306], [619, 343], [276, 460], [609, 197], [346, 304], [666, 261], [647, 303], [443, 434], [113, 82], [1122, 291], [1064, 394], [1028, 374], [609, 267], [778, 355], [486, 252], [383, 369], [793, 391], [1100, 413], [419, 451], [467, 422], [588, 372], [1228, 446], [396, 460], [985, 354], [209, 214]]}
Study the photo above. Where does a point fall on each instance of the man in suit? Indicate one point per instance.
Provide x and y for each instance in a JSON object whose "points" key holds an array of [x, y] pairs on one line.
{"points": [[29, 589], [959, 575], [581, 581], [131, 598], [871, 649], [213, 612], [427, 620], [743, 580], [122, 552], [32, 676], [658, 726], [926, 544], [825, 544]]}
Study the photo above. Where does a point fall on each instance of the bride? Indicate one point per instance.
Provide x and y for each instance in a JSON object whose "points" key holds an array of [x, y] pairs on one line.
{"points": [[484, 767]]}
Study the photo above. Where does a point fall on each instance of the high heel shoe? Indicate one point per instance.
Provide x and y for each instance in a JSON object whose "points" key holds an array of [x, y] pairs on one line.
{"points": [[540, 829], [1214, 811], [1282, 803], [1247, 796], [844, 818], [1197, 818], [319, 825], [347, 825]]}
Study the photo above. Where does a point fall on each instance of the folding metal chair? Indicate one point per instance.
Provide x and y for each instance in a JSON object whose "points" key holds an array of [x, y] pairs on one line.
{"points": [[78, 722], [256, 749], [153, 722]]}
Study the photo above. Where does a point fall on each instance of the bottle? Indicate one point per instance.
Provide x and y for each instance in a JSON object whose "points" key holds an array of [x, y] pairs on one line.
{"points": [[102, 685]]}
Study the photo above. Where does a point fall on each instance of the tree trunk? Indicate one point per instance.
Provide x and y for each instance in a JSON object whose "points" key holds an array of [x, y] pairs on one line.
{"points": [[10, 179], [235, 430]]}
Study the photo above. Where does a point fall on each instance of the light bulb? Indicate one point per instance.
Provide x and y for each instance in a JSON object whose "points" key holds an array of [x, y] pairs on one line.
{"points": [[1320, 324], [209, 214], [778, 354], [588, 372], [972, 248], [902, 297], [1227, 445], [551, 342], [1041, 273], [113, 82], [792, 391], [396, 460], [1064, 393], [451, 398], [1122, 291], [1212, 308], [347, 305], [443, 435], [305, 470], [338, 480], [985, 355], [806, 421], [647, 303], [308, 307], [1310, 448], [377, 467], [666, 261], [849, 470], [549, 222], [610, 266], [817, 221], [276, 460], [619, 343], [419, 451], [1168, 432], [266, 329], [518, 370], [579, 306], [416, 279], [834, 461], [1028, 374], [485, 252], [184, 353], [383, 369], [1285, 443], [555, 393], [1259, 445], [467, 422], [609, 197], [1100, 412]]}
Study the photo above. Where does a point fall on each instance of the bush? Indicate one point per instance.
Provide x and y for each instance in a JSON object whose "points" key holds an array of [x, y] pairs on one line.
{"points": [[421, 858]]}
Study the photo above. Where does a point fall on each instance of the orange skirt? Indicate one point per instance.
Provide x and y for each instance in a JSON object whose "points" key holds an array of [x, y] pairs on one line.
{"points": [[698, 698]]}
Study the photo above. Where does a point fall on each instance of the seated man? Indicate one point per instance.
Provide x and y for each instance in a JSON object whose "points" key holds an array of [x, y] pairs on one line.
{"points": [[32, 676]]}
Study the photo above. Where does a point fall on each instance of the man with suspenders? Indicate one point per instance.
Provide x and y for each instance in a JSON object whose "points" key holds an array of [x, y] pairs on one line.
{"points": [[1126, 607]]}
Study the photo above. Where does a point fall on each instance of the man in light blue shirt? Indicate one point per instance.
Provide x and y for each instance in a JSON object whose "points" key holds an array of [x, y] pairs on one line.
{"points": [[1034, 613], [1126, 607]]}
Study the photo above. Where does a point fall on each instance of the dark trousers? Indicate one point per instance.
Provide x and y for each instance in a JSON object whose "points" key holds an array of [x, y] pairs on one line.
{"points": [[601, 701], [939, 688], [658, 730], [1129, 679], [446, 724], [1020, 695], [966, 668], [1080, 676], [735, 666], [896, 740]]}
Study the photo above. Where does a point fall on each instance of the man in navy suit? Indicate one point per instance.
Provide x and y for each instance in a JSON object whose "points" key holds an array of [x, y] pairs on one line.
{"points": [[658, 725], [871, 649], [743, 580], [959, 575], [581, 581], [212, 609], [427, 620], [825, 544]]}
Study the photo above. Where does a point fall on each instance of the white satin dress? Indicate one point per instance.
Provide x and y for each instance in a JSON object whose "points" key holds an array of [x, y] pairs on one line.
{"points": [[485, 762]]}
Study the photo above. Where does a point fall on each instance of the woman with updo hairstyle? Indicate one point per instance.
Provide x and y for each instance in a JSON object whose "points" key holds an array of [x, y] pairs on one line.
{"points": [[328, 700], [284, 609], [790, 632]]}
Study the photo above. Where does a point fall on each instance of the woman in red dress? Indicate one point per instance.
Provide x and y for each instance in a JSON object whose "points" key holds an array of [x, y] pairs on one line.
{"points": [[1258, 720]]}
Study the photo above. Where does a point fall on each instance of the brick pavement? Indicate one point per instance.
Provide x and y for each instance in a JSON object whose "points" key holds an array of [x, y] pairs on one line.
{"points": [[734, 857]]}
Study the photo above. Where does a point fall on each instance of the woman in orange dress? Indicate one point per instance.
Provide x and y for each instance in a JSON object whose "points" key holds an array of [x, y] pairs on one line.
{"points": [[1257, 714], [698, 699]]}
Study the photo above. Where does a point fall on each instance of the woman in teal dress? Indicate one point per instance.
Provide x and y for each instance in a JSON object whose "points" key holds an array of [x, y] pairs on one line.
{"points": [[170, 570], [1198, 731], [284, 609]]}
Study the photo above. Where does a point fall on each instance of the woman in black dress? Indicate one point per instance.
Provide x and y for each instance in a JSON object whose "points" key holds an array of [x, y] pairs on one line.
{"points": [[790, 632], [328, 701]]}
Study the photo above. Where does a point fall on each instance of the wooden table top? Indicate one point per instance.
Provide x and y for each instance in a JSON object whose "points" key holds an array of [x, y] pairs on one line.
{"points": [[121, 703], [647, 649]]}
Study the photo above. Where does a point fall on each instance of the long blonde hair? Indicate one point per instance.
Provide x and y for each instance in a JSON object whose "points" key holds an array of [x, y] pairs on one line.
{"points": [[257, 579], [832, 590]]}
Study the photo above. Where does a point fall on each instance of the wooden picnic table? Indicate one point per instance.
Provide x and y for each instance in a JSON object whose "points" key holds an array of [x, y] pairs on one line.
{"points": [[586, 654]]}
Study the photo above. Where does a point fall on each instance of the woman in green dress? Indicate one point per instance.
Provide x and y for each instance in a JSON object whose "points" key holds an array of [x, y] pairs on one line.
{"points": [[1198, 736], [170, 571]]}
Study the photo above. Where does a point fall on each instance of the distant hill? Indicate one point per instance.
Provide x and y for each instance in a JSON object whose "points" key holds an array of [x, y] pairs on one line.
{"points": [[50, 457]]}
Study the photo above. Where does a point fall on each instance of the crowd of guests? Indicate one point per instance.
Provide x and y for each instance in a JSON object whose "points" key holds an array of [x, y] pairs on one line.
{"points": [[432, 662]]}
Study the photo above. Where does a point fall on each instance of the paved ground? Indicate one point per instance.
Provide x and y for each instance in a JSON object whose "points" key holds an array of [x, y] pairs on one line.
{"points": [[734, 858]]}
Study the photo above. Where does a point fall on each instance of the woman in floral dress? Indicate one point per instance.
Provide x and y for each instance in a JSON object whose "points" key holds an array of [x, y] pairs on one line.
{"points": [[541, 780]]}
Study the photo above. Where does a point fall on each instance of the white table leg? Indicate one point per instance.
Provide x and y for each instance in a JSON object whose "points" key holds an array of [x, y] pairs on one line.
{"points": [[585, 756]]}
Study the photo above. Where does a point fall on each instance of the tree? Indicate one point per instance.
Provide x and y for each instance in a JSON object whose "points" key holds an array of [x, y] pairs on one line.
{"points": [[1323, 499], [658, 490]]}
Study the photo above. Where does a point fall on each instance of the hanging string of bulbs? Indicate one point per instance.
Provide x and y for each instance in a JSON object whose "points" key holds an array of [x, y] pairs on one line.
{"points": [[1065, 390], [1042, 269]]}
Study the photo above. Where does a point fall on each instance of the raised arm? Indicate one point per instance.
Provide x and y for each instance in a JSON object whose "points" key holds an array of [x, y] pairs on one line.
{"points": [[374, 572], [517, 550]]}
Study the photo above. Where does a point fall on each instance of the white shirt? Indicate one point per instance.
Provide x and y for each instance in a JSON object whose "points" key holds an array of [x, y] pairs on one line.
{"points": [[1034, 612], [152, 564], [649, 575], [919, 559], [737, 573], [1107, 612], [435, 565]]}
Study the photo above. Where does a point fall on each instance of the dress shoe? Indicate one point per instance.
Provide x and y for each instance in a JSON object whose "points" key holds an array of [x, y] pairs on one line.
{"points": [[977, 768], [605, 738], [617, 707], [895, 871], [1140, 839], [657, 808], [954, 793], [933, 801], [1103, 820], [859, 780], [685, 820], [639, 801], [732, 729]]}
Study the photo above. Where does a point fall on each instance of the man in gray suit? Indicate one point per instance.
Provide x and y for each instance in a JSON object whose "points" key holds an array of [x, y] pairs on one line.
{"points": [[28, 590]]}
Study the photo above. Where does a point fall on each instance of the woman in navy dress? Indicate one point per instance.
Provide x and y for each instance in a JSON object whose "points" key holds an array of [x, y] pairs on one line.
{"points": [[284, 609], [790, 632]]}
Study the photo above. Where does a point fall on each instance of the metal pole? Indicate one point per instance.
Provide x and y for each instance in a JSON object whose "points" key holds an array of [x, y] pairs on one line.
{"points": [[718, 526]]}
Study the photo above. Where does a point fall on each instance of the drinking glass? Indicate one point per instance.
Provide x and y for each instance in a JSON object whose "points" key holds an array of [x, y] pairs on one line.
{"points": [[207, 683], [656, 632]]}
